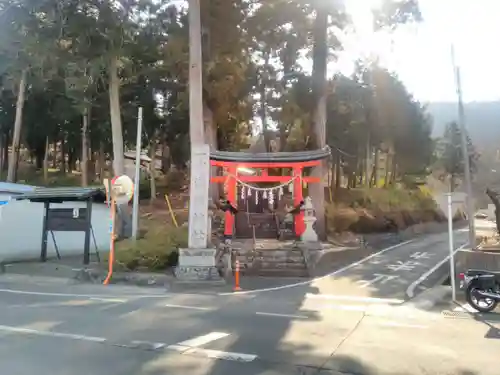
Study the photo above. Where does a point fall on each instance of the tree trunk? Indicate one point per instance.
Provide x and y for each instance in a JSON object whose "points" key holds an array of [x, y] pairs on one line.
{"points": [[152, 169], [91, 166], [338, 171], [116, 121], [101, 160], [124, 226], [263, 103], [63, 154], [46, 162], [6, 151], [54, 155], [388, 167], [320, 56], [2, 152], [368, 163], [394, 170], [85, 149], [352, 180], [71, 160], [375, 168], [331, 182], [165, 157], [14, 160]]}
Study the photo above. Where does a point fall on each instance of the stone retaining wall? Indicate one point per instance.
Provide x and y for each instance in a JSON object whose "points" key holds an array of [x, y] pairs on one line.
{"points": [[476, 259]]}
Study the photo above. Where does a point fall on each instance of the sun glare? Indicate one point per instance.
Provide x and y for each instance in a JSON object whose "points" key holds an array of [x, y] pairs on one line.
{"points": [[361, 12], [362, 42]]}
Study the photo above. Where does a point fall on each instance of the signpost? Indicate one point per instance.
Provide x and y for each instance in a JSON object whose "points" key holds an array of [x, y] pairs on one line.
{"points": [[121, 192], [451, 246], [452, 203], [137, 175]]}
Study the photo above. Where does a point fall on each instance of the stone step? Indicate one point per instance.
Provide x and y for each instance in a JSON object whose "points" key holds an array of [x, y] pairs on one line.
{"points": [[270, 258], [275, 272], [279, 265], [278, 253], [269, 252], [296, 259], [270, 265]]}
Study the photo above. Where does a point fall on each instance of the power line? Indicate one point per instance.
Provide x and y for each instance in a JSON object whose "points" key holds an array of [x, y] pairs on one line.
{"points": [[345, 153]]}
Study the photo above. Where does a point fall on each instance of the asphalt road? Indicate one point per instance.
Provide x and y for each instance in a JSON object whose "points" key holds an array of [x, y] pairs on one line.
{"points": [[53, 328]]}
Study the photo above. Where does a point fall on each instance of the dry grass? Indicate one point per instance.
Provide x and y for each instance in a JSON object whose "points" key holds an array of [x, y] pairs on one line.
{"points": [[370, 210]]}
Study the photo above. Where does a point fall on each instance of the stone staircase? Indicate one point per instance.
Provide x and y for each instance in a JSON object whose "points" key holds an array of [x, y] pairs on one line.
{"points": [[269, 258]]}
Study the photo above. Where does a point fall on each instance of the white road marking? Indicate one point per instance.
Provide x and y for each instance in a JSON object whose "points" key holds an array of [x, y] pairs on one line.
{"points": [[378, 278], [29, 331], [403, 266], [393, 301], [343, 269], [420, 255], [410, 291], [215, 354], [111, 300], [73, 295], [203, 340], [190, 307], [465, 307], [192, 347], [153, 345], [292, 316]]}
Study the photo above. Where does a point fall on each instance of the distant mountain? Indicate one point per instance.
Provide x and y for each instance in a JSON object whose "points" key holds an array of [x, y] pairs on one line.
{"points": [[483, 124], [482, 120]]}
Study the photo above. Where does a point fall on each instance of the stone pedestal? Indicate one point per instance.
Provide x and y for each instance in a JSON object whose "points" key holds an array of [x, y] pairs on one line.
{"points": [[197, 262], [197, 265]]}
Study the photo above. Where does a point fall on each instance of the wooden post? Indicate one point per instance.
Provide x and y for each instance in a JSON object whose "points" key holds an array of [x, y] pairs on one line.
{"points": [[297, 198], [231, 196]]}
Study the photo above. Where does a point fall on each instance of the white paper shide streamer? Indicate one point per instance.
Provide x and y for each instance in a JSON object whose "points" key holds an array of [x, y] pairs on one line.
{"points": [[270, 193]]}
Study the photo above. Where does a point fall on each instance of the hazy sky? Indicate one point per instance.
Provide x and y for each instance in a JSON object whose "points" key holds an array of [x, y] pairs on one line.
{"points": [[421, 54]]}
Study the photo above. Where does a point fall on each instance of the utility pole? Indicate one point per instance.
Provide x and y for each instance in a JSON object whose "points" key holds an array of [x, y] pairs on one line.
{"points": [[465, 150], [137, 175]]}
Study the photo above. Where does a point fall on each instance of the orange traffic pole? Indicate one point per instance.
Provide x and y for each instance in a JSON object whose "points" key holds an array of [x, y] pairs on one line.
{"points": [[111, 245], [237, 277]]}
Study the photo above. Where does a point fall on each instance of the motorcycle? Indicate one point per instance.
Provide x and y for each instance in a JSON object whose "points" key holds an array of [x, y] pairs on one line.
{"points": [[482, 289]]}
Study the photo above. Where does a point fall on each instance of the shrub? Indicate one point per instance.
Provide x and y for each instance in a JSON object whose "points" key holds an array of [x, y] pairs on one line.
{"points": [[157, 251]]}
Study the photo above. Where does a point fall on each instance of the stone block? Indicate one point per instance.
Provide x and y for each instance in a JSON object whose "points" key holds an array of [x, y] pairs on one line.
{"points": [[197, 274], [197, 257]]}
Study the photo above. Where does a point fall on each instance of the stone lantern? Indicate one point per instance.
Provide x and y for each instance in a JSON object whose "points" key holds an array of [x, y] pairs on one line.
{"points": [[309, 234]]}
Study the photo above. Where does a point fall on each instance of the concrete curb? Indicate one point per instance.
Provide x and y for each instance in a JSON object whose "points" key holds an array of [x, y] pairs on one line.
{"points": [[430, 297], [410, 291], [93, 276]]}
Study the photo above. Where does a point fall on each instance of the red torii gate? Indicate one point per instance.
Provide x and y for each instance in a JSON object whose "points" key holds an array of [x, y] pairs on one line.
{"points": [[229, 162]]}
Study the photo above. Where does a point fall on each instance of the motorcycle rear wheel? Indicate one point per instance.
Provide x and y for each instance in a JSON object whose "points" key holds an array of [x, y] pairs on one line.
{"points": [[474, 300]]}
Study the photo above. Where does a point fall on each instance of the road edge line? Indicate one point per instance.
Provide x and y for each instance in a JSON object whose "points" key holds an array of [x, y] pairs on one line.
{"points": [[410, 291], [345, 268]]}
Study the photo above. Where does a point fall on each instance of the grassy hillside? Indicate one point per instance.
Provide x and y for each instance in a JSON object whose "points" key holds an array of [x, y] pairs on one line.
{"points": [[380, 210]]}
